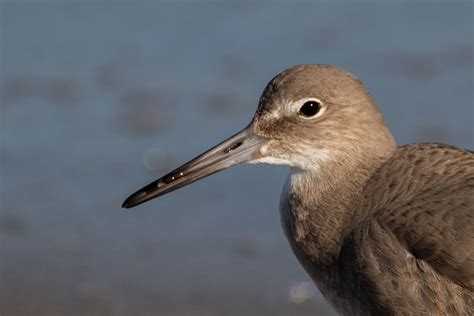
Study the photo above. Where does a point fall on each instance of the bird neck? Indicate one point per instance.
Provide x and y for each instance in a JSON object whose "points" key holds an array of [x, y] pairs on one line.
{"points": [[320, 204]]}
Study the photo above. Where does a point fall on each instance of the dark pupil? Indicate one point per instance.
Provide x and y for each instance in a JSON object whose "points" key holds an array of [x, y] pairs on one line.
{"points": [[310, 108]]}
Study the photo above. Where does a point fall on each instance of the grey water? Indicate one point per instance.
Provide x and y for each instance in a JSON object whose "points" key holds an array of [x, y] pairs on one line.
{"points": [[101, 98]]}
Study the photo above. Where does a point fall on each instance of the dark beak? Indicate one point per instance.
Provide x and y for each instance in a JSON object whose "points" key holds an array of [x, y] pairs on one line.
{"points": [[242, 147]]}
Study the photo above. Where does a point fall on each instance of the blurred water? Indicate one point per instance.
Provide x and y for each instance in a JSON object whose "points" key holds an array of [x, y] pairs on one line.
{"points": [[98, 99]]}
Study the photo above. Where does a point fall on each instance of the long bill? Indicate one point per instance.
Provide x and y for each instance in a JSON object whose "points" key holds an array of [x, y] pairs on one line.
{"points": [[239, 148]]}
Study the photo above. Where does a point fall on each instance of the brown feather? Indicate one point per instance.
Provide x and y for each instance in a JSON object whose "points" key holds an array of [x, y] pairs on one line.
{"points": [[381, 230]]}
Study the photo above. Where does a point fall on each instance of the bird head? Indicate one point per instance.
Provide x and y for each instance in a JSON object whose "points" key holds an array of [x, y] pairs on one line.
{"points": [[308, 116]]}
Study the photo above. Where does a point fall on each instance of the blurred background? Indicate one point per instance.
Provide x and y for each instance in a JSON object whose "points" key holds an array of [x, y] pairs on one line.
{"points": [[100, 98]]}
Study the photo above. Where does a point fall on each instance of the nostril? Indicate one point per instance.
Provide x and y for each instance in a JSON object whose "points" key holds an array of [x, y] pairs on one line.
{"points": [[233, 147]]}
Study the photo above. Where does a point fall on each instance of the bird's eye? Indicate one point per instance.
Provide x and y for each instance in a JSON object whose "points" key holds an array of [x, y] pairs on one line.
{"points": [[310, 108]]}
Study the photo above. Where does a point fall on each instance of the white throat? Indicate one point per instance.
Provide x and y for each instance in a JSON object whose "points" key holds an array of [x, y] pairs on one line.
{"points": [[308, 159]]}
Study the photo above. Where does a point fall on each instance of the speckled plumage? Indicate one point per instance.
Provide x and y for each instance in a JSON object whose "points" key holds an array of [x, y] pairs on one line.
{"points": [[381, 229], [407, 246]]}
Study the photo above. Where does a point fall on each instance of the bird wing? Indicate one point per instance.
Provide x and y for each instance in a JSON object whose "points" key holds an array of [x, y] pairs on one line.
{"points": [[425, 196]]}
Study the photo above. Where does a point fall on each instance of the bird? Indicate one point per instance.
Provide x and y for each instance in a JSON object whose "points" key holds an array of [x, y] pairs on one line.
{"points": [[381, 229]]}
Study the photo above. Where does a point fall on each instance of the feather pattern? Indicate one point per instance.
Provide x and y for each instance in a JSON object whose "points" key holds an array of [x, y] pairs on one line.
{"points": [[410, 246]]}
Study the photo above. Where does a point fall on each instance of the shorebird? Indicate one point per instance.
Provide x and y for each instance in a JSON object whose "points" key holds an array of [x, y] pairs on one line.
{"points": [[381, 229]]}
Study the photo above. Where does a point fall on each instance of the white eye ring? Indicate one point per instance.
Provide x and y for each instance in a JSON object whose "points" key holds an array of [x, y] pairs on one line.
{"points": [[310, 108]]}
